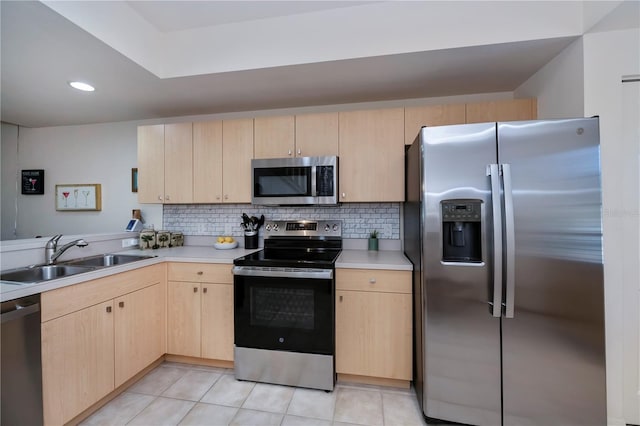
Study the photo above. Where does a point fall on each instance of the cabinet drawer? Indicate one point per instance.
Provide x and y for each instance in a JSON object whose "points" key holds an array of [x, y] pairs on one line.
{"points": [[381, 280], [200, 272]]}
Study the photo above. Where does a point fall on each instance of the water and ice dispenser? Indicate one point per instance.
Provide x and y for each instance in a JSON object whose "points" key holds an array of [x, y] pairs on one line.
{"points": [[461, 231]]}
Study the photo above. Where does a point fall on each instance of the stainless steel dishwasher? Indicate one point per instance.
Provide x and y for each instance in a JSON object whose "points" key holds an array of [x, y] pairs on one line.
{"points": [[21, 366]]}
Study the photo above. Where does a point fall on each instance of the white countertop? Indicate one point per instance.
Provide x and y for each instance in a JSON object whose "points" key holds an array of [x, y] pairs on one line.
{"points": [[365, 259], [360, 259]]}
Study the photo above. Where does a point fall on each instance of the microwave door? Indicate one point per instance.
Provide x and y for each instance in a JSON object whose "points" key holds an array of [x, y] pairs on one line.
{"points": [[294, 181]]}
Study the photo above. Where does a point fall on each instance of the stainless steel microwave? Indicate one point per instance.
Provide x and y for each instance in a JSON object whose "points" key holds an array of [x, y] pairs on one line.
{"points": [[294, 181]]}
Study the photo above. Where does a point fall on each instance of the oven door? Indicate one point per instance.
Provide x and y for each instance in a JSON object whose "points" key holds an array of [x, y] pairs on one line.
{"points": [[284, 310]]}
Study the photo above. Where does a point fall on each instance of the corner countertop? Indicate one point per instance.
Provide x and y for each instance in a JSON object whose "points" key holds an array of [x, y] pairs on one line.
{"points": [[365, 259], [359, 259]]}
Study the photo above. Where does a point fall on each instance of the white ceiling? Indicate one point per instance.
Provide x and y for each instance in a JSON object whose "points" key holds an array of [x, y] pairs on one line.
{"points": [[41, 51], [168, 16]]}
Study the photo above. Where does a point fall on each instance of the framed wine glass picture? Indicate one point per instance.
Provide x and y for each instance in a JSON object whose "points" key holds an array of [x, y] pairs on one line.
{"points": [[33, 182], [77, 197]]}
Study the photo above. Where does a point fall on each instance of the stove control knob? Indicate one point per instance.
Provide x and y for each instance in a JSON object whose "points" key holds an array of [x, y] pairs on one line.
{"points": [[275, 226], [335, 227], [326, 228]]}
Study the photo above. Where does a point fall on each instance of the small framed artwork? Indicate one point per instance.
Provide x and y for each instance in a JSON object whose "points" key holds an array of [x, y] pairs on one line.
{"points": [[134, 179], [33, 182], [77, 197]]}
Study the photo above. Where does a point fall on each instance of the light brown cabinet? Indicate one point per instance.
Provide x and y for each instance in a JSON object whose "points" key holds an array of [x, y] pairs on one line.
{"points": [[308, 135], [140, 324], [274, 137], [151, 164], [98, 334], [200, 311], [316, 135], [373, 325], [210, 162], [503, 110], [165, 170], [431, 115], [207, 162], [77, 361], [371, 155], [222, 153]]}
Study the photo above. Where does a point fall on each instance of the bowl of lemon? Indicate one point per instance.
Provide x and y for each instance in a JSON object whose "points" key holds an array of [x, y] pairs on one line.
{"points": [[225, 243]]}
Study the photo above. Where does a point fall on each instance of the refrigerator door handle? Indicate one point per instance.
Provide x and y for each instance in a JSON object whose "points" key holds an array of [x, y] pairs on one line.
{"points": [[510, 272], [493, 171]]}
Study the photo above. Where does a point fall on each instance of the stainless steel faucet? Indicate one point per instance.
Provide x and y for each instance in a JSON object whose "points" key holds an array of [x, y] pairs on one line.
{"points": [[52, 252]]}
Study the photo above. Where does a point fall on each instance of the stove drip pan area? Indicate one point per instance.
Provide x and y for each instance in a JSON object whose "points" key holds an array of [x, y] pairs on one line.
{"points": [[285, 368]]}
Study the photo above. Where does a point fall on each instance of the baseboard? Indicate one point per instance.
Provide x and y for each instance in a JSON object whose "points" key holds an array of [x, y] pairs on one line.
{"points": [[378, 381], [199, 361]]}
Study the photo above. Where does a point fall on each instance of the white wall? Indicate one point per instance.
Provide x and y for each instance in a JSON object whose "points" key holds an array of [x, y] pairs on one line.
{"points": [[559, 85], [607, 57], [589, 71], [99, 153], [9, 157]]}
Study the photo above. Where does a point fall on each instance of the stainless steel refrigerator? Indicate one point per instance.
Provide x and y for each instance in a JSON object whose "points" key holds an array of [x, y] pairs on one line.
{"points": [[503, 225]]}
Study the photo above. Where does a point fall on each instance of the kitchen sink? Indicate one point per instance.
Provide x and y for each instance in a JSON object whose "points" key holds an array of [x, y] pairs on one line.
{"points": [[103, 260], [34, 274], [39, 273]]}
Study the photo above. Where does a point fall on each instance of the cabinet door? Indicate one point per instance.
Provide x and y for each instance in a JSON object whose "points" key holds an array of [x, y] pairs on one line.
{"points": [[77, 361], [183, 318], [372, 155], [237, 152], [431, 115], [373, 334], [151, 164], [217, 321], [317, 135], [140, 330], [207, 162], [505, 110], [274, 137], [178, 163]]}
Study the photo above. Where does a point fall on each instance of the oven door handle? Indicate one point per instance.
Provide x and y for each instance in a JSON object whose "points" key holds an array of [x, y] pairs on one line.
{"points": [[307, 273]]}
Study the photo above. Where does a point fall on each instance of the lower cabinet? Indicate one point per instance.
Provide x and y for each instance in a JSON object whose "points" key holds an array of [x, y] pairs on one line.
{"points": [[96, 335], [77, 361], [374, 324], [200, 311], [139, 330]]}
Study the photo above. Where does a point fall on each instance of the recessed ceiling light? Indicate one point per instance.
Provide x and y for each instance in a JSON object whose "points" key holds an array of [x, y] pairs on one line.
{"points": [[82, 86]]}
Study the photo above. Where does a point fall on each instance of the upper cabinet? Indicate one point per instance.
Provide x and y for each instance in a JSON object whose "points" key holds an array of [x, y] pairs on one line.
{"points": [[151, 164], [202, 162], [165, 163], [237, 152], [274, 137], [178, 167], [207, 162], [505, 110], [317, 135], [372, 155], [210, 162], [222, 152], [309, 135], [431, 115]]}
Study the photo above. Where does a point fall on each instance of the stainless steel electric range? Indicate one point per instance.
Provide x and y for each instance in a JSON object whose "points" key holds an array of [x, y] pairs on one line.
{"points": [[284, 305]]}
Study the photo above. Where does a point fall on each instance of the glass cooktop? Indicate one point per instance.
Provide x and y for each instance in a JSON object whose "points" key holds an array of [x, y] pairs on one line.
{"points": [[295, 258]]}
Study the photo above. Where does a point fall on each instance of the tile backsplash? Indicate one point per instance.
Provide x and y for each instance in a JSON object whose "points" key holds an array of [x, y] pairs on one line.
{"points": [[358, 219]]}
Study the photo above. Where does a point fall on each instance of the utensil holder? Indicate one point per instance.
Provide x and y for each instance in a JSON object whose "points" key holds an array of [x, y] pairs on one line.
{"points": [[251, 240]]}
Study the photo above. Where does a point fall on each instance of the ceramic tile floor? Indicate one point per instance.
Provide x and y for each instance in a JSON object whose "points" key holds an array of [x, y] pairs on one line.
{"points": [[180, 394]]}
